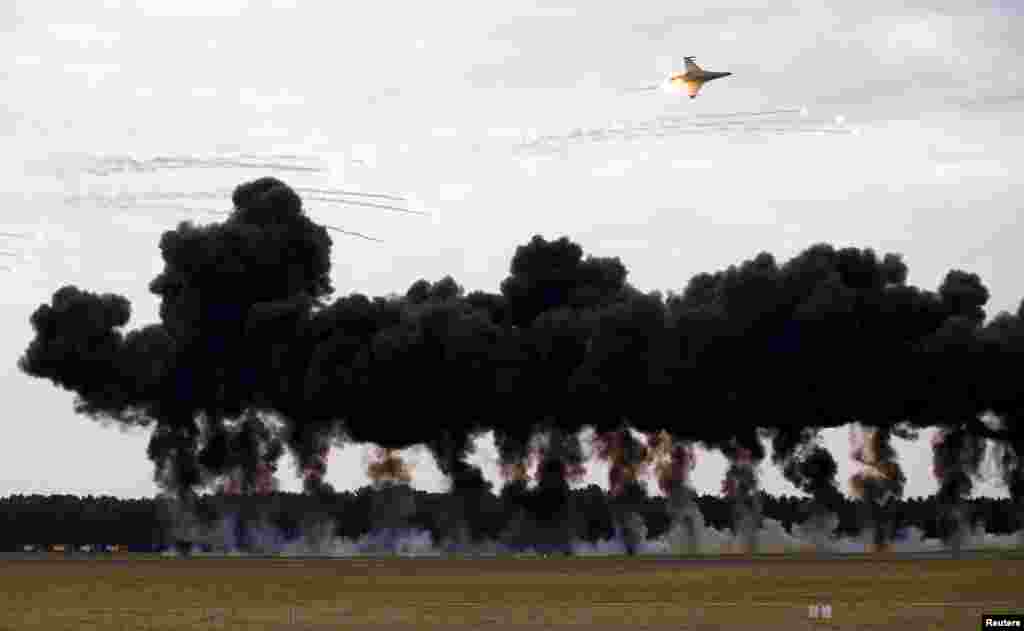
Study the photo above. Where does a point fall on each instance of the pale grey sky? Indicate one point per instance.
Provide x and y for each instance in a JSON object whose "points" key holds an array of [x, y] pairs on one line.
{"points": [[431, 100]]}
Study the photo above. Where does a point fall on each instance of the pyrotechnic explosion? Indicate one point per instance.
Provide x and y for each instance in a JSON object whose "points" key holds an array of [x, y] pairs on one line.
{"points": [[250, 358], [957, 458], [740, 484], [674, 461], [387, 469], [393, 503], [812, 469], [627, 458], [878, 482]]}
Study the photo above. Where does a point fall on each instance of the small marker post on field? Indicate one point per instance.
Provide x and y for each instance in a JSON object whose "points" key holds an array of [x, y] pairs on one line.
{"points": [[819, 611]]}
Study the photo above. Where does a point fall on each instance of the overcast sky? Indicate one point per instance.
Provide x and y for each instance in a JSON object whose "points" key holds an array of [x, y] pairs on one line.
{"points": [[896, 126]]}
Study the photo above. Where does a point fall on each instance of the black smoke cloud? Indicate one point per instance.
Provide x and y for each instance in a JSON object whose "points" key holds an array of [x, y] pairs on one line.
{"points": [[192, 373], [252, 357]]}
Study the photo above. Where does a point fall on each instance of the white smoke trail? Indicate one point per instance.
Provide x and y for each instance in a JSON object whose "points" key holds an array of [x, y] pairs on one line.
{"points": [[159, 200], [101, 165], [790, 121]]}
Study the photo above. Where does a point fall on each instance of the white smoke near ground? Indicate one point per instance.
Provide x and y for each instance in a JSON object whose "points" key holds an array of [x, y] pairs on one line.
{"points": [[773, 538], [404, 543], [688, 534], [317, 541], [817, 536]]}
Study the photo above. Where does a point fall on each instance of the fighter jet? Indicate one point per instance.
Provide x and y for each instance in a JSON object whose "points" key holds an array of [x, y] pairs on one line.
{"points": [[693, 78]]}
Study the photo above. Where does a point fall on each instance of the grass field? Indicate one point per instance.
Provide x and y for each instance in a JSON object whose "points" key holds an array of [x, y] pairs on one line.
{"points": [[865, 592]]}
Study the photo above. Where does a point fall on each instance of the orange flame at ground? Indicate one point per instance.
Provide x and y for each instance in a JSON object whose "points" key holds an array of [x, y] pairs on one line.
{"points": [[389, 468], [673, 460], [516, 472], [873, 482], [611, 446], [522, 470], [866, 448]]}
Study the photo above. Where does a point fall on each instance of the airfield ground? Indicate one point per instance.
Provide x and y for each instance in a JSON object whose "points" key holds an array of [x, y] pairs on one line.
{"points": [[877, 592]]}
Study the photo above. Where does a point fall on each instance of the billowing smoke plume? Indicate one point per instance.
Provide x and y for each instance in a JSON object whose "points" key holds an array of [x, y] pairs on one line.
{"points": [[314, 471], [957, 456], [628, 459], [560, 458], [810, 467], [250, 358], [393, 503], [674, 462], [247, 451], [193, 373], [518, 471], [998, 379], [880, 480], [1013, 476], [740, 484]]}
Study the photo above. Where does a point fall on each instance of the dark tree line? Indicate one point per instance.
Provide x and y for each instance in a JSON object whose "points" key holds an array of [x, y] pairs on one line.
{"points": [[68, 519]]}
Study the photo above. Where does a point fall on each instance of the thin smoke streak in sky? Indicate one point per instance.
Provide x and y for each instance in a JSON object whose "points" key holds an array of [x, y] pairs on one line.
{"points": [[707, 124], [367, 204], [130, 205], [9, 255], [354, 234], [338, 191], [112, 165], [123, 199], [283, 156], [129, 202], [751, 114], [219, 194], [107, 170]]}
